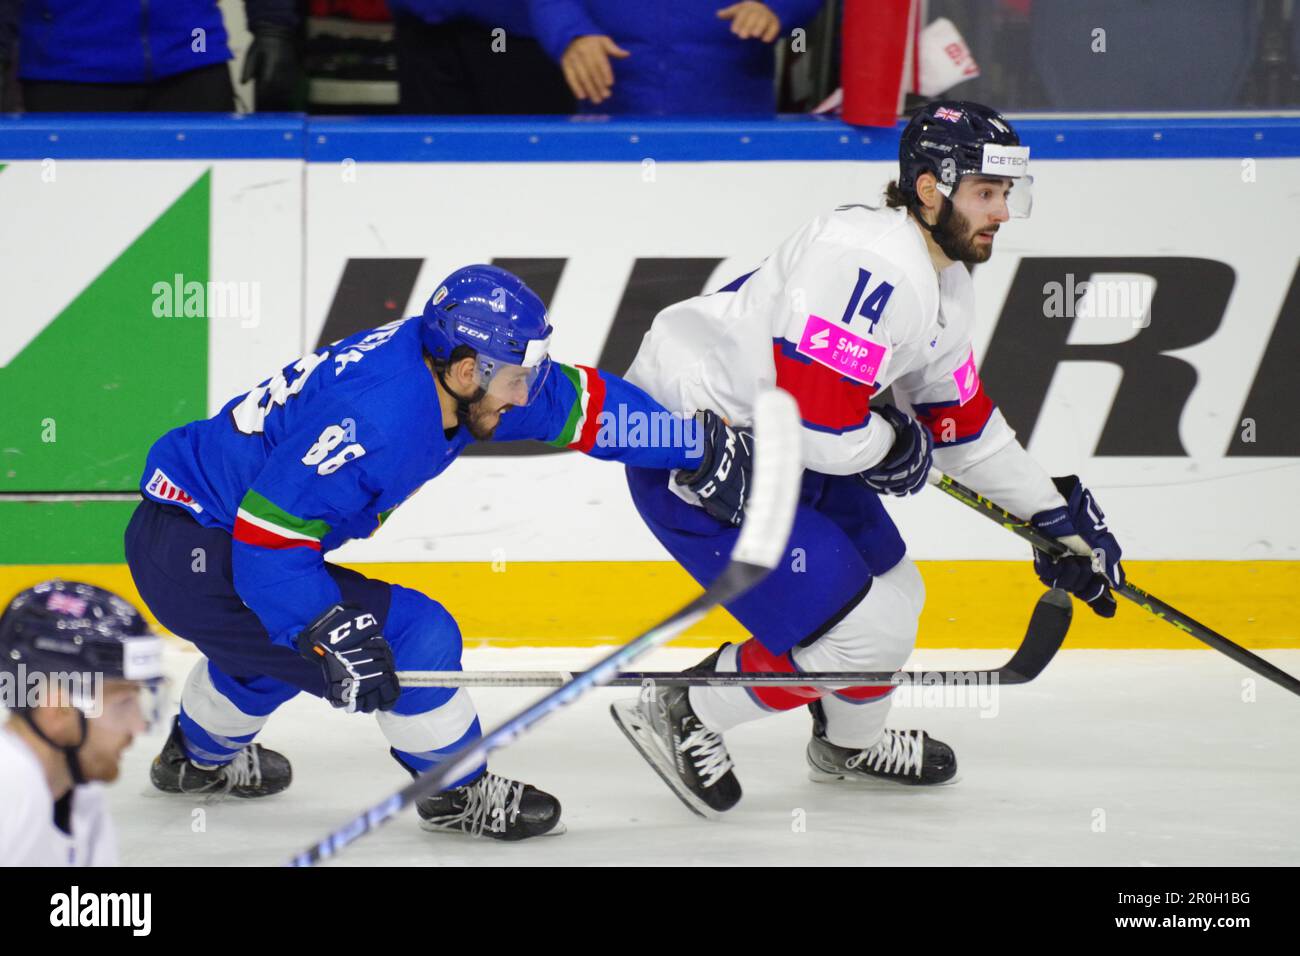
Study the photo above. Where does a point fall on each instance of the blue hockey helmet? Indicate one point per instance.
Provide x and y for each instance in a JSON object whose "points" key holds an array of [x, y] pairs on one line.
{"points": [[956, 138], [492, 312]]}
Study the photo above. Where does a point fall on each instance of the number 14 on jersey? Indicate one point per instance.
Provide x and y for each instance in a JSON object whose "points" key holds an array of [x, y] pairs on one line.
{"points": [[870, 305]]}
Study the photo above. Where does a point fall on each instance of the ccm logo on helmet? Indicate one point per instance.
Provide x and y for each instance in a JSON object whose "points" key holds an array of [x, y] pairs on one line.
{"points": [[473, 333]]}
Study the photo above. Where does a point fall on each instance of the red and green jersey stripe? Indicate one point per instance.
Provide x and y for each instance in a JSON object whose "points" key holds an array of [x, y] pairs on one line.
{"points": [[265, 524], [583, 423]]}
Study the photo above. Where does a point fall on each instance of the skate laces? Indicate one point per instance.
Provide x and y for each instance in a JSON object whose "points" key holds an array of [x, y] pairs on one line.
{"points": [[710, 754], [244, 770], [898, 752], [488, 799]]}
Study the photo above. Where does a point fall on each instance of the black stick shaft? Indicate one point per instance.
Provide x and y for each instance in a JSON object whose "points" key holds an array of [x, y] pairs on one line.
{"points": [[1166, 612], [680, 679]]}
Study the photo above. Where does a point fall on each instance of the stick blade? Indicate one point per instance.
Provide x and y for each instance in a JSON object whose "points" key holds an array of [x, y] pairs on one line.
{"points": [[778, 471], [1048, 626]]}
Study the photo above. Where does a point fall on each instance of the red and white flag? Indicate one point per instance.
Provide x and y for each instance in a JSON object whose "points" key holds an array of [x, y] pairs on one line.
{"points": [[66, 603]]}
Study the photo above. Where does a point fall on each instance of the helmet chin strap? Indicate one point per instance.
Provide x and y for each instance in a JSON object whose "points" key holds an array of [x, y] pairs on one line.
{"points": [[70, 753], [462, 404]]}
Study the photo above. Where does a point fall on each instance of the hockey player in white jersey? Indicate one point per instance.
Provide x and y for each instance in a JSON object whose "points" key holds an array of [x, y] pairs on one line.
{"points": [[859, 299], [74, 662]]}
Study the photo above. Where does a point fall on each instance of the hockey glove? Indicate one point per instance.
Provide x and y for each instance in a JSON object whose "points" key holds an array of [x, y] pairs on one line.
{"points": [[1088, 579], [722, 479], [903, 469], [272, 63], [357, 662]]}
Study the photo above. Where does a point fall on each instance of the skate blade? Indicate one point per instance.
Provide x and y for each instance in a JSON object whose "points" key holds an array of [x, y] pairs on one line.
{"points": [[628, 716], [817, 775], [556, 830]]}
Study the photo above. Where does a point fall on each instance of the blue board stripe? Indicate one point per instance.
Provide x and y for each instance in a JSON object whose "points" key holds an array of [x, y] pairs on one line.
{"points": [[150, 136], [587, 139]]}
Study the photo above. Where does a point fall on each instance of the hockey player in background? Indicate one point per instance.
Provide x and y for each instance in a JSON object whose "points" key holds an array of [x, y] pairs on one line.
{"points": [[322, 453], [857, 300], [74, 660]]}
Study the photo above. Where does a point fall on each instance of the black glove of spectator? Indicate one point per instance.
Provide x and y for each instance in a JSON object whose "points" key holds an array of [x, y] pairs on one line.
{"points": [[722, 480], [360, 675], [272, 64], [903, 469]]}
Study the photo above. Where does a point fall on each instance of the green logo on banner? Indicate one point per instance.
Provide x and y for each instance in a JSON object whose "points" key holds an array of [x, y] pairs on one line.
{"points": [[85, 399]]}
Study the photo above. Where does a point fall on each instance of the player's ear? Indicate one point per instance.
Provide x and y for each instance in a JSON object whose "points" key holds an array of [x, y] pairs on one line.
{"points": [[927, 190], [466, 371], [59, 719]]}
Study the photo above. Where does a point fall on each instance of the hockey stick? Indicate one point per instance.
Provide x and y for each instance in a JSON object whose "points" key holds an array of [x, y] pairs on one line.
{"points": [[1166, 612], [769, 517], [1047, 628]]}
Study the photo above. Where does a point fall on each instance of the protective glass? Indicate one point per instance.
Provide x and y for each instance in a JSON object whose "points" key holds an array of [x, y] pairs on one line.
{"points": [[981, 197], [516, 384]]}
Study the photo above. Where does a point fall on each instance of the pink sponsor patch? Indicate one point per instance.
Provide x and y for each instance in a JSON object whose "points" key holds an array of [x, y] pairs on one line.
{"points": [[967, 379], [835, 347]]}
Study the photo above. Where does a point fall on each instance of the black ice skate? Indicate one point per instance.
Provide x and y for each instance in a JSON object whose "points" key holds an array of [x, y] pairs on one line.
{"points": [[492, 806], [910, 757], [689, 757], [255, 771]]}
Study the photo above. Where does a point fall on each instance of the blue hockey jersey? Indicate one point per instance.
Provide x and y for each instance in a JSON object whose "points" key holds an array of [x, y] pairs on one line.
{"points": [[324, 451]]}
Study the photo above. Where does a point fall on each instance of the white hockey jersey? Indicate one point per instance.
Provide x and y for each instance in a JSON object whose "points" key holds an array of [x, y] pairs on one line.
{"points": [[848, 305], [28, 835]]}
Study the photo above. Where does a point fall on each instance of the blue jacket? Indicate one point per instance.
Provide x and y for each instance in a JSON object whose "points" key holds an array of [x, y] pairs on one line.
{"points": [[684, 59], [324, 452], [122, 41]]}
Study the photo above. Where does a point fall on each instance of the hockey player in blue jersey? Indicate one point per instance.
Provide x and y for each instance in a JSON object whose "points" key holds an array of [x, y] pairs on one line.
{"points": [[324, 452]]}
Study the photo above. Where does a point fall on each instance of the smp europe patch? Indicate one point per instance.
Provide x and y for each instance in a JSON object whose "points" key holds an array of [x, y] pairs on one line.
{"points": [[851, 355]]}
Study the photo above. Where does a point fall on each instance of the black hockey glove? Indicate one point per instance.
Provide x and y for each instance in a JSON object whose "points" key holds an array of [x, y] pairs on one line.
{"points": [[357, 662], [1088, 579], [903, 469], [722, 479], [272, 63]]}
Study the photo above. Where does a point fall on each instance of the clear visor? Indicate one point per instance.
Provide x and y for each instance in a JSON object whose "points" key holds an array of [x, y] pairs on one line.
{"points": [[140, 707], [983, 197], [513, 384]]}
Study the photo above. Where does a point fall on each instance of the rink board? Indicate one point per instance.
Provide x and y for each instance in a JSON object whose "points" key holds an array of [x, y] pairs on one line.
{"points": [[968, 603], [1174, 403]]}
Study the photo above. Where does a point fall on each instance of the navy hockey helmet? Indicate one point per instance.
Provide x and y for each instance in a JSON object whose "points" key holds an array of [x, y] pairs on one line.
{"points": [[956, 138], [66, 626], [76, 635], [494, 313]]}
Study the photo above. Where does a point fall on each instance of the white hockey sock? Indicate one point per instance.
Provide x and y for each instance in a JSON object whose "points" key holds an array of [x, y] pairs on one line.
{"points": [[721, 708], [855, 724], [424, 736], [213, 727]]}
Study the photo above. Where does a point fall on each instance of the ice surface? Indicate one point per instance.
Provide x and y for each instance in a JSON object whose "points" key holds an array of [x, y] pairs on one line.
{"points": [[1110, 757]]}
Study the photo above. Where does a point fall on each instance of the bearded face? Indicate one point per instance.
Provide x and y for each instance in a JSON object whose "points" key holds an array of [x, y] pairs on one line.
{"points": [[483, 417], [960, 239], [969, 220]]}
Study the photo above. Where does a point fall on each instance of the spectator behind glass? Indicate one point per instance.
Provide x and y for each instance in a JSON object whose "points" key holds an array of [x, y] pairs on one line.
{"points": [[137, 55], [473, 56], [668, 57]]}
